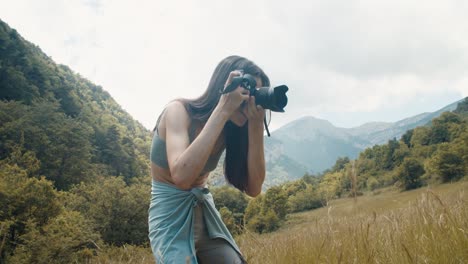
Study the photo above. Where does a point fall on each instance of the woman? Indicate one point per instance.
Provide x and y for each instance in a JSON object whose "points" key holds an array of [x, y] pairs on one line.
{"points": [[190, 135]]}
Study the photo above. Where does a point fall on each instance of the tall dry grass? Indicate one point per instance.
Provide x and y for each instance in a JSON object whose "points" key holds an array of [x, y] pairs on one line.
{"points": [[124, 255], [428, 225]]}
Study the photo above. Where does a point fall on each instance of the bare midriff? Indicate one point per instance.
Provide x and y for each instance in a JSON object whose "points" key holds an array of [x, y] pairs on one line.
{"points": [[164, 175]]}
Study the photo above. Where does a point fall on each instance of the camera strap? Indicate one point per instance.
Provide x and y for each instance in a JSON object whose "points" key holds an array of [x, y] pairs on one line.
{"points": [[266, 126]]}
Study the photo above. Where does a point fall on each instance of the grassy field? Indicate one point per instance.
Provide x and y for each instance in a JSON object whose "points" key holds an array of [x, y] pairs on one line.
{"points": [[427, 225]]}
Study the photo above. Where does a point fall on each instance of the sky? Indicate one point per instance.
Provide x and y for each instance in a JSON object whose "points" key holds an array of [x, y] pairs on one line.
{"points": [[349, 62]]}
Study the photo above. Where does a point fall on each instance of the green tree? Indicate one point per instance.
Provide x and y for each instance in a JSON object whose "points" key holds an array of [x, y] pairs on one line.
{"points": [[293, 187], [311, 179], [389, 156], [462, 107], [339, 164], [271, 221], [264, 223], [305, 199], [440, 130], [410, 173], [254, 208], [330, 186], [400, 154], [260, 217], [235, 202], [230, 221], [276, 200], [15, 86], [60, 143], [119, 212], [421, 136], [460, 146], [372, 183], [448, 165], [66, 238], [23, 200], [406, 137], [229, 197]]}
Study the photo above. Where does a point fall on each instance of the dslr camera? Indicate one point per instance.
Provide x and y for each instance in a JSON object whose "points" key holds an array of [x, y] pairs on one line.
{"points": [[274, 98]]}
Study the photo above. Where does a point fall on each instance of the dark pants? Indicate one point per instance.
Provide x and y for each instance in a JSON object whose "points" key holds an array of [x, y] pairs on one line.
{"points": [[209, 250]]}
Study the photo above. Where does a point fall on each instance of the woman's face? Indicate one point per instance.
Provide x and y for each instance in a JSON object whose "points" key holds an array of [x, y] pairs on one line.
{"points": [[238, 117]]}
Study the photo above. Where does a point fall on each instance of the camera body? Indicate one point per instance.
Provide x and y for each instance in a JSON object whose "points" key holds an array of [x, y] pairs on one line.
{"points": [[274, 98]]}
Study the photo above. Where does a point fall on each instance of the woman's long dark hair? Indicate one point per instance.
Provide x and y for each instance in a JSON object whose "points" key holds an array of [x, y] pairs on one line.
{"points": [[236, 138]]}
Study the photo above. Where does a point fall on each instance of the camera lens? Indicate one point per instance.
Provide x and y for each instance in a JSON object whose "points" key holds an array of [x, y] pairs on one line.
{"points": [[274, 99]]}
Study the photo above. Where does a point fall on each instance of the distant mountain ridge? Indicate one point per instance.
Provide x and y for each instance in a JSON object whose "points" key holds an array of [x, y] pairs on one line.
{"points": [[316, 144], [385, 131], [313, 142]]}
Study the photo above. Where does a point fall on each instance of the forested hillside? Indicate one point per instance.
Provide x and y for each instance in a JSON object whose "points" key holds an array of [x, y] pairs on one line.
{"points": [[71, 127], [72, 162]]}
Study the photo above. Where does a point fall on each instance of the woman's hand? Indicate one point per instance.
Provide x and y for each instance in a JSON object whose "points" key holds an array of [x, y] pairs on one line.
{"points": [[231, 101], [254, 113]]}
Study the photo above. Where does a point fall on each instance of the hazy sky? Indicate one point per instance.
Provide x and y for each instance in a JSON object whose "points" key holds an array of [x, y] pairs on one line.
{"points": [[349, 62]]}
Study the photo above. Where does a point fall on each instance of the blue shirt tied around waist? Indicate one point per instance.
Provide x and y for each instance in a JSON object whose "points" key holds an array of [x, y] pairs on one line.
{"points": [[171, 220]]}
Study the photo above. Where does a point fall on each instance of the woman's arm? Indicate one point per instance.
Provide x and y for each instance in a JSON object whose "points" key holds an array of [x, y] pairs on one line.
{"points": [[255, 156], [186, 161]]}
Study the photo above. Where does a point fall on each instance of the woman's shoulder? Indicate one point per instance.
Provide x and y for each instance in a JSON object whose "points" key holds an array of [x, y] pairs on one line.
{"points": [[176, 112], [176, 105]]}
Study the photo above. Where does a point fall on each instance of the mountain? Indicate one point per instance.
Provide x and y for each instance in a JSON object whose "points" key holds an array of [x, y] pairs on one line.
{"points": [[380, 132], [368, 129], [279, 166], [315, 144]]}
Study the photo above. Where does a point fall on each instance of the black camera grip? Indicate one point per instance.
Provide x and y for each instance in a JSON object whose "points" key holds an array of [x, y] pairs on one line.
{"points": [[236, 81]]}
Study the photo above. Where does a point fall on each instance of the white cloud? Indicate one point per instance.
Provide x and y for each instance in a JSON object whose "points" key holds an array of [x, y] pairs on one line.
{"points": [[339, 57]]}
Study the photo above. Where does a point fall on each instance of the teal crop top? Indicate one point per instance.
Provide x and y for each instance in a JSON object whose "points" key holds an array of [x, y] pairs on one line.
{"points": [[158, 154]]}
